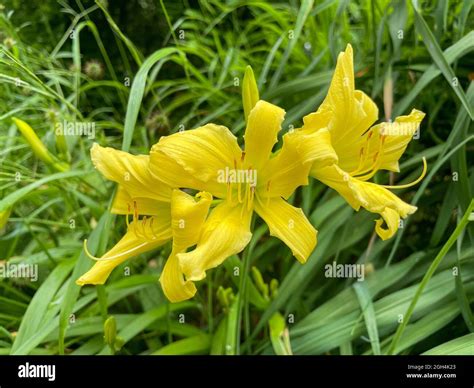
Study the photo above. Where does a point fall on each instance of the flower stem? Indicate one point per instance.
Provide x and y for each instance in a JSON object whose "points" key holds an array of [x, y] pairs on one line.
{"points": [[241, 296], [102, 298]]}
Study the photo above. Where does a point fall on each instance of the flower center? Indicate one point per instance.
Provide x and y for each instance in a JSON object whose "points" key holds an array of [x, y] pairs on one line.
{"points": [[241, 192], [241, 184], [364, 172]]}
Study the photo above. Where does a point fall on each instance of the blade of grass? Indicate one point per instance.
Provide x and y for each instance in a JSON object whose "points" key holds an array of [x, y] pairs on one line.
{"points": [[365, 301], [438, 57], [137, 92], [303, 14], [431, 270]]}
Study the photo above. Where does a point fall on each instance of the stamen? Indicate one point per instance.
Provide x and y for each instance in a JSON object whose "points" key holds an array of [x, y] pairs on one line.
{"points": [[242, 208], [248, 196], [126, 217], [135, 211], [124, 253], [369, 172], [136, 222], [154, 236], [143, 224], [362, 155], [252, 195], [229, 192], [423, 174]]}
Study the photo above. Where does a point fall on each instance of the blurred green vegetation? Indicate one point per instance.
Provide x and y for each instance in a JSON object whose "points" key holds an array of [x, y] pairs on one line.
{"points": [[79, 61]]}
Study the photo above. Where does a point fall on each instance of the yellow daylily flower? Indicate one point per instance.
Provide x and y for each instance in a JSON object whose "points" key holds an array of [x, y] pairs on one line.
{"points": [[209, 158], [346, 117], [188, 216], [167, 214]]}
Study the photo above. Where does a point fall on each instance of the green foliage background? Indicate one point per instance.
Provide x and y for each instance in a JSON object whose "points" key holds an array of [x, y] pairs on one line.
{"points": [[416, 54]]}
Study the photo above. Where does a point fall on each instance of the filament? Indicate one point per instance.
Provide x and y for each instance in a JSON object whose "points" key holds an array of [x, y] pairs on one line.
{"points": [[372, 169], [363, 154], [113, 257], [126, 217], [416, 181]]}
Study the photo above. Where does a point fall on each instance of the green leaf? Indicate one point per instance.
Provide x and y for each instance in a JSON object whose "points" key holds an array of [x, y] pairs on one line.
{"points": [[198, 344], [33, 323], [137, 92], [431, 270], [82, 264], [305, 9], [367, 308], [438, 57], [451, 54], [8, 201], [146, 319], [456, 347]]}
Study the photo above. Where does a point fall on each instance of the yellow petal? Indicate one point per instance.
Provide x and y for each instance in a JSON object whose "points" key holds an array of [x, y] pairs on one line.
{"points": [[188, 215], [130, 172], [202, 152], [315, 146], [124, 203], [370, 196], [174, 175], [315, 121], [140, 237], [396, 135], [392, 220], [337, 179], [290, 225], [347, 141], [174, 286], [225, 233], [264, 123], [352, 112], [287, 170]]}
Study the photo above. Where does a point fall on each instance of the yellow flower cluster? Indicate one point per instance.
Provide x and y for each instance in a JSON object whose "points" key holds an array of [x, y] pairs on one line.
{"points": [[199, 188]]}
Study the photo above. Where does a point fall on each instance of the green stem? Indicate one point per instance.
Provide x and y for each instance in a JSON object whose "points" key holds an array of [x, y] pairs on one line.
{"points": [[102, 298], [210, 317], [431, 270], [242, 288]]}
